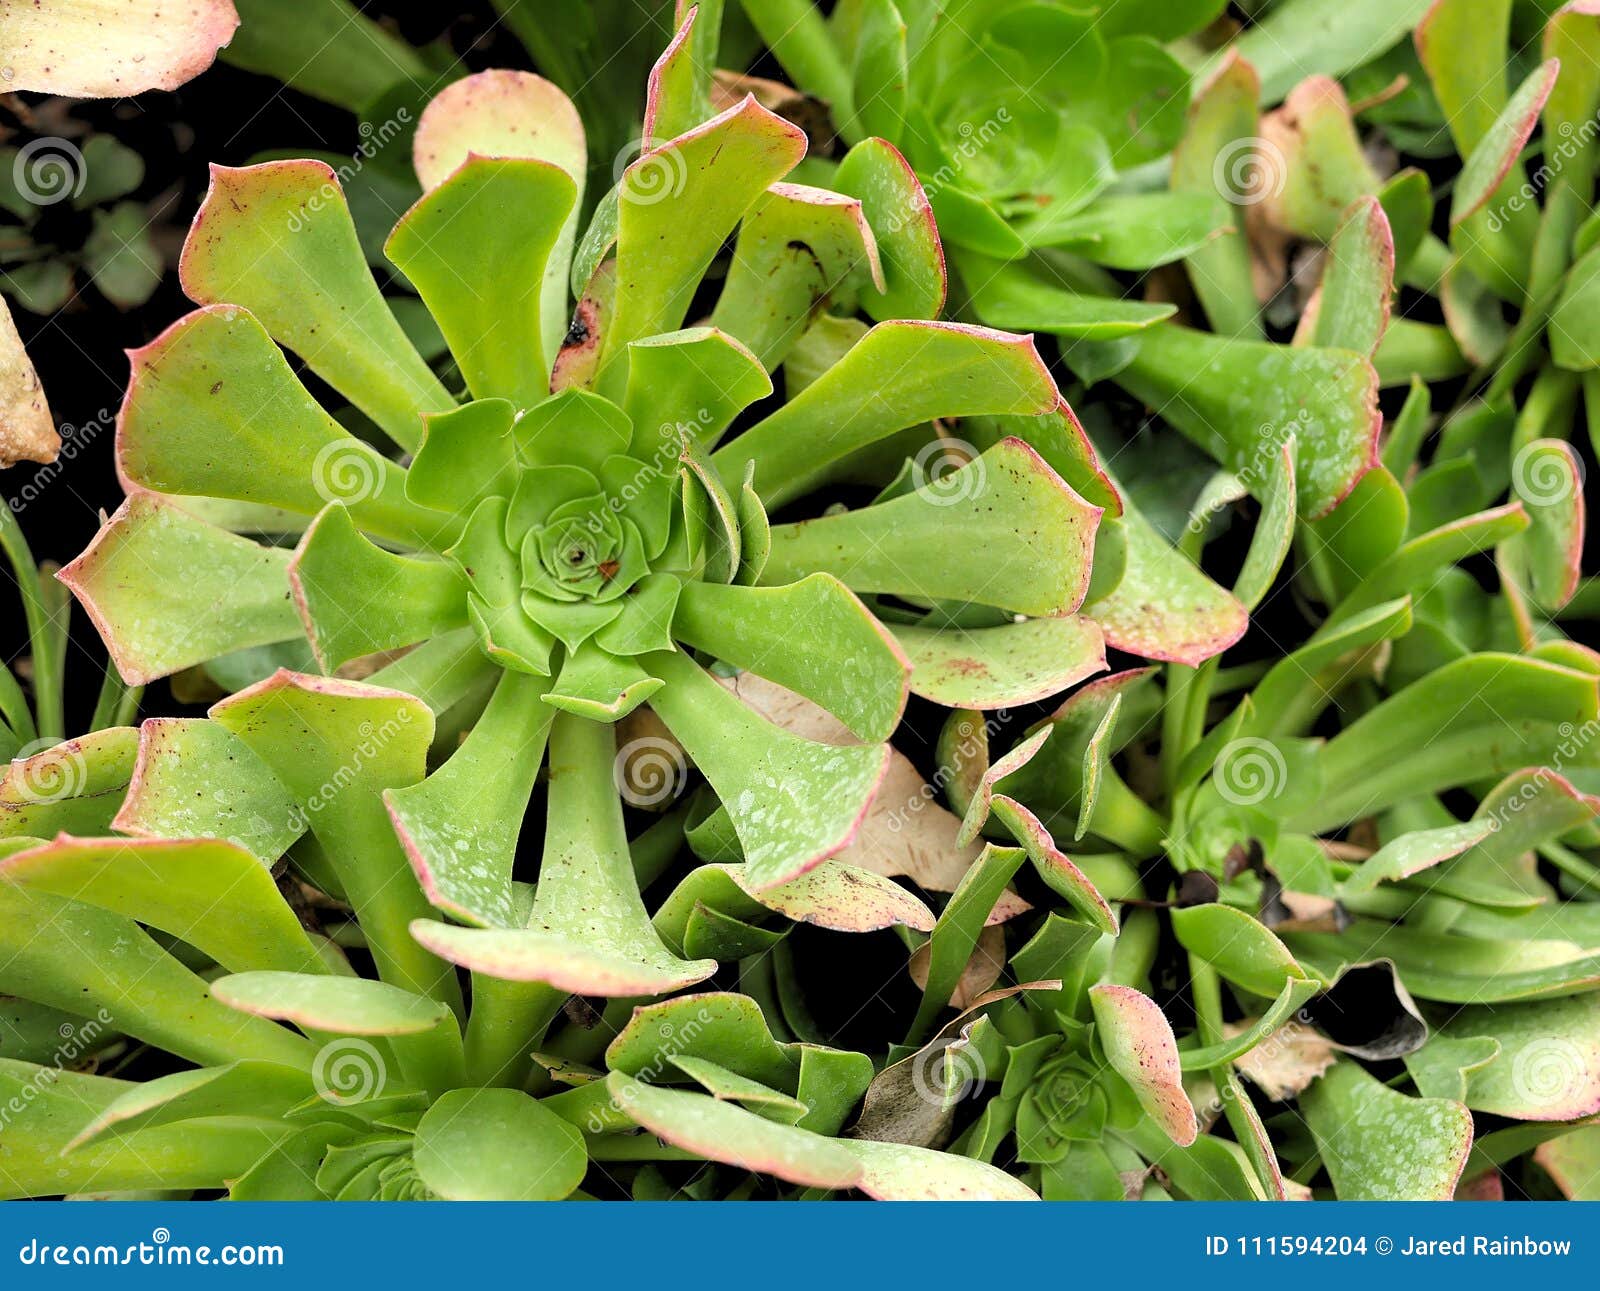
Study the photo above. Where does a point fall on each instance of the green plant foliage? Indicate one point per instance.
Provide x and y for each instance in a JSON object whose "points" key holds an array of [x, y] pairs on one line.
{"points": [[1114, 380]]}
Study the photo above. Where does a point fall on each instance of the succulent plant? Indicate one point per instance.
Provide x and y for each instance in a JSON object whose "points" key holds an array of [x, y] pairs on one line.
{"points": [[695, 479]]}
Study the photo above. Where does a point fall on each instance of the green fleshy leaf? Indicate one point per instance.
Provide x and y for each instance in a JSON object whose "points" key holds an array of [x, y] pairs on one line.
{"points": [[233, 594], [688, 384], [99, 962], [1237, 399], [834, 895], [1379, 1145], [214, 409], [721, 1027], [402, 599], [121, 257], [494, 606], [1492, 159], [497, 1145], [955, 935], [1001, 667], [1003, 530], [793, 802], [1134, 231], [278, 240], [730, 1087], [588, 932], [510, 114], [600, 686], [1165, 607], [722, 1132], [1269, 544], [335, 746], [1216, 156], [904, 1172], [1457, 969], [71, 787], [677, 203], [195, 779], [211, 894], [200, 1155], [903, 226], [466, 455], [478, 248], [674, 96], [860, 679], [1139, 1045], [260, 1089], [1481, 715], [460, 826], [916, 372], [1462, 47], [1547, 478], [796, 246], [1547, 1067], [1240, 948], [1352, 307], [1023, 298]]}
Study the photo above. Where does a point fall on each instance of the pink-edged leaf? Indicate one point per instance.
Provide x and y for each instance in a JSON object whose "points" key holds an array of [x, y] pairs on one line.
{"points": [[1054, 866], [1140, 1046], [1165, 607], [499, 114], [1548, 1065], [93, 49], [1005, 666], [1351, 307], [983, 791], [1487, 166], [278, 240], [903, 1172], [231, 595], [914, 282], [212, 894], [793, 802], [721, 1131]]}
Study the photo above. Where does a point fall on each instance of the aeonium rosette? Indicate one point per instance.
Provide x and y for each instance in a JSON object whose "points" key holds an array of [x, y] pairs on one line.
{"points": [[581, 530]]}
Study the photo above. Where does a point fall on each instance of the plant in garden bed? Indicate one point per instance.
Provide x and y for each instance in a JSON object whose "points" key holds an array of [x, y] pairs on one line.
{"points": [[551, 557]]}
